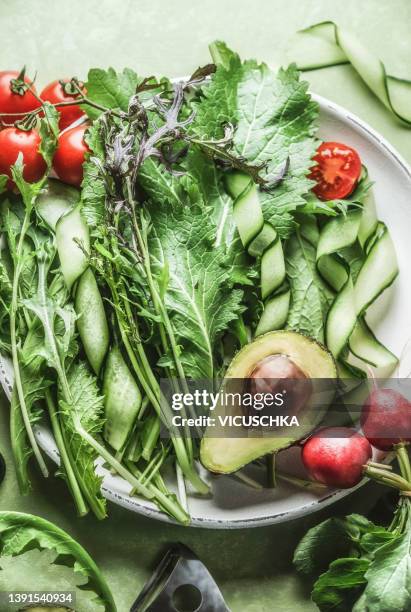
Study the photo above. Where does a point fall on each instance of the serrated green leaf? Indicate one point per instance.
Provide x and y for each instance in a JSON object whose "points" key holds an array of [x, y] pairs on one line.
{"points": [[275, 119], [216, 105], [199, 293], [20, 531], [110, 89], [49, 132], [310, 296], [36, 570], [85, 406], [29, 191]]}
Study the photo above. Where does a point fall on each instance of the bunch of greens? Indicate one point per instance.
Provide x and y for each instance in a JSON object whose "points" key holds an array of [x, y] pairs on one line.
{"points": [[194, 231], [35, 555], [358, 565]]}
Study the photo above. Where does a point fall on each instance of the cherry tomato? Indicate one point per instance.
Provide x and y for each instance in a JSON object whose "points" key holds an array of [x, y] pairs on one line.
{"points": [[337, 171], [14, 141], [14, 96], [54, 93], [70, 154]]}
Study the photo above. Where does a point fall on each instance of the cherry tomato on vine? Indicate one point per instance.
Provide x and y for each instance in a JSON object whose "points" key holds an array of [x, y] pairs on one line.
{"points": [[55, 93], [14, 141], [15, 96], [69, 156], [337, 171]]}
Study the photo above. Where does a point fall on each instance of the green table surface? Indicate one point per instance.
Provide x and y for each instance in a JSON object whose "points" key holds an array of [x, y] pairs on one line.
{"points": [[56, 38]]}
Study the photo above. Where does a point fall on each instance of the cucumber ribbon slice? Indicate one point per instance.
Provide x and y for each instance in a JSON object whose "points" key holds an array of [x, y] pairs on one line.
{"points": [[325, 44], [355, 256], [261, 241]]}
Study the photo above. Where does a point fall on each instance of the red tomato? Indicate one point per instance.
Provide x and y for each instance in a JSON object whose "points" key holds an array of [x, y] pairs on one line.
{"points": [[70, 154], [54, 93], [12, 102], [337, 171], [14, 141]]}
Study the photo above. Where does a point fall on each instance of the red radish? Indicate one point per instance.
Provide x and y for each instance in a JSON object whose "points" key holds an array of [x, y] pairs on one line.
{"points": [[386, 418], [335, 456]]}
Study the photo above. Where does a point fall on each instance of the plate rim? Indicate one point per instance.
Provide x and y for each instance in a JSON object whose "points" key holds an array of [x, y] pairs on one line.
{"points": [[142, 508]]}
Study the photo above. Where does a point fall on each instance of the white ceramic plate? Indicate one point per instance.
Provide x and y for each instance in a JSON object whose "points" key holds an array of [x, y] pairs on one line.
{"points": [[233, 504]]}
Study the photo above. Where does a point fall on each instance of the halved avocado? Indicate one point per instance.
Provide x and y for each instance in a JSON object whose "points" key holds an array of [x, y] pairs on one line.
{"points": [[303, 358]]}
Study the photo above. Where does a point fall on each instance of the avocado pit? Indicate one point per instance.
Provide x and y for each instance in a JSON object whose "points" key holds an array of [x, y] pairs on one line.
{"points": [[278, 374]]}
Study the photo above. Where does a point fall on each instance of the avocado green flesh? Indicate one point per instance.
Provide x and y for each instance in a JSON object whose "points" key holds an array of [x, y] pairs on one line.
{"points": [[225, 454]]}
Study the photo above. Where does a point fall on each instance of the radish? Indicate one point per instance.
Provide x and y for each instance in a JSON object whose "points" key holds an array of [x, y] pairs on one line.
{"points": [[386, 418], [335, 456]]}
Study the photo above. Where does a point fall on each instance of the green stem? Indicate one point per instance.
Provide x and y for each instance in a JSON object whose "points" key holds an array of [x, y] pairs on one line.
{"points": [[14, 351], [300, 482], [166, 502], [403, 460], [386, 477], [161, 311], [64, 456], [153, 392], [112, 461], [56, 361]]}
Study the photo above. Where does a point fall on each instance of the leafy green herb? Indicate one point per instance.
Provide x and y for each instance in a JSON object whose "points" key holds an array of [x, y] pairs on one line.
{"points": [[274, 119], [373, 572], [310, 296], [200, 294], [84, 405], [36, 570], [21, 532], [110, 89], [341, 585]]}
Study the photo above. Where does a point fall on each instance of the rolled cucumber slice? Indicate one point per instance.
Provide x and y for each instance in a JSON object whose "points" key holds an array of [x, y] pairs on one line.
{"points": [[71, 232], [91, 323], [56, 200], [122, 400]]}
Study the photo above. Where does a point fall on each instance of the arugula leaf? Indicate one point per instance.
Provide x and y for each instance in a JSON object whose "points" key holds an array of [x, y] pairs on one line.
{"points": [[49, 132], [34, 383], [29, 191], [310, 297], [85, 406], [20, 531], [36, 570], [340, 586], [110, 89]]}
